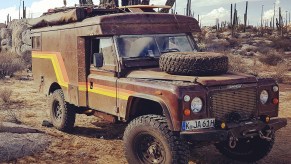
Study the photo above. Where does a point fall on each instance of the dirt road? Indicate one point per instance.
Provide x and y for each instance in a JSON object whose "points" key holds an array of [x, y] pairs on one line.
{"points": [[94, 141]]}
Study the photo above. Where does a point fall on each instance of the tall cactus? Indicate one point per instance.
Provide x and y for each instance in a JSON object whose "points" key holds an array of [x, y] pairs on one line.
{"points": [[231, 15], [7, 19], [23, 10], [246, 16]]}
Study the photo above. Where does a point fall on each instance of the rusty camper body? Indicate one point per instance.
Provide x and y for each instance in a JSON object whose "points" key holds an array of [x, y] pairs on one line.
{"points": [[67, 57], [62, 58]]}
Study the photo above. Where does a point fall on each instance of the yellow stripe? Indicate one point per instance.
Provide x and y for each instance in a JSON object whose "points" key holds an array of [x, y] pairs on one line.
{"points": [[60, 79], [56, 67]]}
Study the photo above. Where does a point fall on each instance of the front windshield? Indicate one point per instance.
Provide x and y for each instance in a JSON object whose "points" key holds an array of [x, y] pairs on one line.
{"points": [[138, 46]]}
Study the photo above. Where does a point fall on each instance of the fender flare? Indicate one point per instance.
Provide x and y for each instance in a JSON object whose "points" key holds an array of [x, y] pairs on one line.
{"points": [[158, 100]]}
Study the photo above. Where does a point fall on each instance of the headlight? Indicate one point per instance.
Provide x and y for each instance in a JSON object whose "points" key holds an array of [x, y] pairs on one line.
{"points": [[264, 96], [196, 105]]}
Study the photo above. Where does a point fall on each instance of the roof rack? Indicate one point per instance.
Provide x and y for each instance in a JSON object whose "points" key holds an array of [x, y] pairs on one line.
{"points": [[65, 15], [143, 8]]}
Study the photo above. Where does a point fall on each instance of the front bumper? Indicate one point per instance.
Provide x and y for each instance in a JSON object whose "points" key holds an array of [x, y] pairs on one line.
{"points": [[245, 129]]}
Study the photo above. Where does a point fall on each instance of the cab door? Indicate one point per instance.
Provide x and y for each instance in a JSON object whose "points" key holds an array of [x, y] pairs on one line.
{"points": [[102, 79]]}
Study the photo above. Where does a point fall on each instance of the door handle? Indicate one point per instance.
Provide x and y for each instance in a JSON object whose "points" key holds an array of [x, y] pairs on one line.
{"points": [[91, 85]]}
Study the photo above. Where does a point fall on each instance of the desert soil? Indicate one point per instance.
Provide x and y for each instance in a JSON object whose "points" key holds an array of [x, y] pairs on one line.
{"points": [[95, 141]]}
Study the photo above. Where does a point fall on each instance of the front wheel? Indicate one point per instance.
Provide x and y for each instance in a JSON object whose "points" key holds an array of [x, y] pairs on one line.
{"points": [[62, 114], [247, 150], [147, 139]]}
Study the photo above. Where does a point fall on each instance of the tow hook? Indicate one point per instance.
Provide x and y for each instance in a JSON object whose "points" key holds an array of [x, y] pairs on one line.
{"points": [[268, 135], [232, 142]]}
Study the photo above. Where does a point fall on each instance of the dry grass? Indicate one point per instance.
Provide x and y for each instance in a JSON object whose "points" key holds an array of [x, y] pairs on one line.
{"points": [[280, 72], [236, 64], [5, 95], [272, 58], [10, 63], [282, 44]]}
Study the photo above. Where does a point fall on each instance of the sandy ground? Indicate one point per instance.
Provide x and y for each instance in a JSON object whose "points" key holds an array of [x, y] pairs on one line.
{"points": [[94, 141]]}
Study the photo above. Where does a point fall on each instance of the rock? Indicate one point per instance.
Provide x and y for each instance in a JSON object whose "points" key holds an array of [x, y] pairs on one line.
{"points": [[5, 48], [249, 54], [2, 25], [24, 48], [249, 48], [5, 33], [26, 37], [16, 128], [47, 123], [17, 141], [244, 35], [6, 42], [13, 145]]}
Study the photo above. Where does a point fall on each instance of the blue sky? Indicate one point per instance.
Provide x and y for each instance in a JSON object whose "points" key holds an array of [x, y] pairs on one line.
{"points": [[209, 10]]}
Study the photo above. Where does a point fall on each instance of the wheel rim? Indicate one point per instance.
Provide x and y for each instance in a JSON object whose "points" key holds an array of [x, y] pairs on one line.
{"points": [[57, 110], [149, 149]]}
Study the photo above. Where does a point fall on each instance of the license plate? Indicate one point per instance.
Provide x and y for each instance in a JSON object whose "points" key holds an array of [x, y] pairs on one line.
{"points": [[198, 124]]}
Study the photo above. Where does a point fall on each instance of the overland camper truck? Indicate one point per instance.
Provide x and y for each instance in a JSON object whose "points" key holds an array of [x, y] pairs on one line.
{"points": [[144, 68]]}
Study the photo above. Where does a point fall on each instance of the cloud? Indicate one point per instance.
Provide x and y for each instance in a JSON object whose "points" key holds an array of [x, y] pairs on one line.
{"points": [[270, 12], [210, 18], [12, 11]]}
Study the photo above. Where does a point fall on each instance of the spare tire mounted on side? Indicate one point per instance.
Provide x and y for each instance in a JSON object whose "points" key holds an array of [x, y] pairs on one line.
{"points": [[194, 63]]}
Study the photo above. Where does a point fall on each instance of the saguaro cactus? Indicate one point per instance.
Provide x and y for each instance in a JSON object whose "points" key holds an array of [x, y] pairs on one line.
{"points": [[23, 10], [246, 16], [231, 15]]}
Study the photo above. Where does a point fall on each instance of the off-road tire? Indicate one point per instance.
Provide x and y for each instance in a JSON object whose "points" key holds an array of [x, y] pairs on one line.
{"points": [[258, 149], [176, 150], [193, 63], [67, 117]]}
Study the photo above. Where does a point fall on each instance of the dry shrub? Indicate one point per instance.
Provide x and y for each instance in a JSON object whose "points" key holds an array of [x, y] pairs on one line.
{"points": [[26, 56], [280, 72], [10, 63], [236, 64], [272, 58], [233, 42], [282, 44], [264, 49], [5, 95]]}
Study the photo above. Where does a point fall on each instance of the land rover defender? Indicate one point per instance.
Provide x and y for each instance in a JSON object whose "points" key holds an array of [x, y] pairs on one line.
{"points": [[145, 69]]}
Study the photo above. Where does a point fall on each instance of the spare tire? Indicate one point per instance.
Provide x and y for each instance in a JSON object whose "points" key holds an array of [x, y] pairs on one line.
{"points": [[194, 63]]}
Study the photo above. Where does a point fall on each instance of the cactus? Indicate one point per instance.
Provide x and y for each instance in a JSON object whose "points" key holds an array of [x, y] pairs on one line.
{"points": [[231, 15], [23, 10], [7, 19], [246, 16], [188, 8]]}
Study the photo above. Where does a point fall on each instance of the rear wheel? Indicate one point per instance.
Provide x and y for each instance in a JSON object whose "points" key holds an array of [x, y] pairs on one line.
{"points": [[148, 140], [62, 114], [247, 150]]}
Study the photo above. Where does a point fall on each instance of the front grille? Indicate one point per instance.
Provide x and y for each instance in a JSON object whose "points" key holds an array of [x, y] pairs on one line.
{"points": [[241, 100]]}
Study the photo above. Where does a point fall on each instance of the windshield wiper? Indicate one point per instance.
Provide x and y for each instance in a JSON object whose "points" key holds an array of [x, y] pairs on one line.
{"points": [[170, 50]]}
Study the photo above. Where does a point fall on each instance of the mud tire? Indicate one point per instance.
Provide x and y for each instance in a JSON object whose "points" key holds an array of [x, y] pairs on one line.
{"points": [[194, 64], [174, 150], [253, 151], [62, 114]]}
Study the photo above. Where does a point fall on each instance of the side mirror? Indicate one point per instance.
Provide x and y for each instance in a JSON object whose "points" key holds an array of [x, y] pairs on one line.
{"points": [[98, 59]]}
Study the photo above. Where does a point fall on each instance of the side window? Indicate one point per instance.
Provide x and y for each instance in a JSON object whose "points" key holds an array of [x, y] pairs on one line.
{"points": [[36, 42], [103, 49]]}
